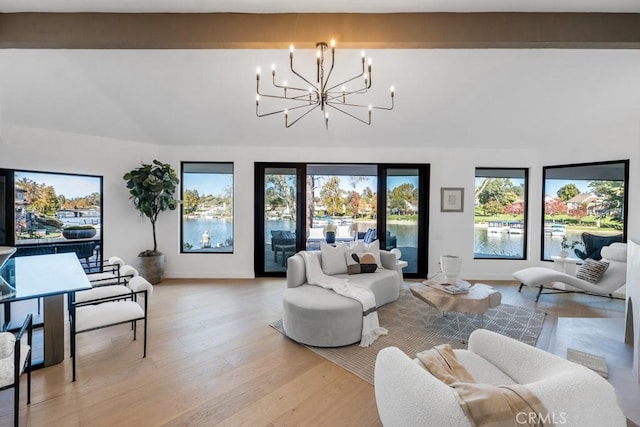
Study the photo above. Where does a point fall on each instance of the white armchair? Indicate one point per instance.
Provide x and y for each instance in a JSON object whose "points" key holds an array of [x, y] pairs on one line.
{"points": [[110, 311], [408, 395]]}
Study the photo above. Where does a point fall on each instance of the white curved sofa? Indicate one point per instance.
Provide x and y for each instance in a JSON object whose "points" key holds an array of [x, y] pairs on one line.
{"points": [[319, 317], [408, 395]]}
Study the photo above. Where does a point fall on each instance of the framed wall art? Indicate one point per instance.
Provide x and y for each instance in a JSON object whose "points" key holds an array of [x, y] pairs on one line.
{"points": [[451, 199]]}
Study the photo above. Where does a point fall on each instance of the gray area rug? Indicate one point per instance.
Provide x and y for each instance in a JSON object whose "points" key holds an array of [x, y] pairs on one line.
{"points": [[414, 326]]}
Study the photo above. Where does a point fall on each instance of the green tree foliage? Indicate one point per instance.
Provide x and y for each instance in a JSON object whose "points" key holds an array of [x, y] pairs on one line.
{"points": [[190, 200], [332, 196], [402, 195], [47, 202], [612, 193], [151, 189], [567, 192], [492, 207], [501, 190], [280, 192]]}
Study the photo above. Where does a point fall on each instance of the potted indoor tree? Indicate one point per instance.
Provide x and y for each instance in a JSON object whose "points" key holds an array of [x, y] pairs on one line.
{"points": [[152, 188]]}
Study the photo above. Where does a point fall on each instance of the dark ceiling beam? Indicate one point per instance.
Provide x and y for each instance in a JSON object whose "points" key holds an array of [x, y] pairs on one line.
{"points": [[262, 31]]}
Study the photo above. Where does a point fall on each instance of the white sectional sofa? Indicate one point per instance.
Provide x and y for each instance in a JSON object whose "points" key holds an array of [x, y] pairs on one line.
{"points": [[319, 317]]}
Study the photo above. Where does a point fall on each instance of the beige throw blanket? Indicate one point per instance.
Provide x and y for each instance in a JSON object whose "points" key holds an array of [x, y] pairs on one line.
{"points": [[371, 329], [484, 404]]}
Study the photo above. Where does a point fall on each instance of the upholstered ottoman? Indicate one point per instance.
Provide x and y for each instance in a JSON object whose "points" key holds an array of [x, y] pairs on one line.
{"points": [[321, 318]]}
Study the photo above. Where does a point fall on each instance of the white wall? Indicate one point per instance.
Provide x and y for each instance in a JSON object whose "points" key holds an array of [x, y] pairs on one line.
{"points": [[126, 233]]}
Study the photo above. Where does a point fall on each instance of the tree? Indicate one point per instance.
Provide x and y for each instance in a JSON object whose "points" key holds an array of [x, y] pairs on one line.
{"points": [[492, 207], [151, 188], [567, 192], [332, 195], [612, 193], [401, 195], [47, 202], [580, 212], [354, 204], [191, 200], [555, 207], [516, 208]]}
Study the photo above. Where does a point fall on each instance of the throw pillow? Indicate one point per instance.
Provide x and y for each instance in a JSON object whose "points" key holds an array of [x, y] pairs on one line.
{"points": [[353, 267], [592, 270], [367, 262], [333, 259], [374, 249]]}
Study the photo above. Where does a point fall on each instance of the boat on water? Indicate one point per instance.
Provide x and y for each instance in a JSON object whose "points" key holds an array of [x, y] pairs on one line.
{"points": [[555, 229], [497, 227], [516, 227]]}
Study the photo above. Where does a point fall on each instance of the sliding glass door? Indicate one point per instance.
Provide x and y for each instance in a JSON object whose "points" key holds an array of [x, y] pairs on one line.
{"points": [[278, 222], [299, 206], [404, 225]]}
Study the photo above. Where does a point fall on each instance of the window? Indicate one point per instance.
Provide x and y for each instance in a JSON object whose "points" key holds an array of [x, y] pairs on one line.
{"points": [[588, 197], [500, 214], [207, 207], [49, 212]]}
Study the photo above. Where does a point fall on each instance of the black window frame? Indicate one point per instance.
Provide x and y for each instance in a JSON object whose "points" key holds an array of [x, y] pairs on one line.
{"points": [[625, 208], [525, 240], [233, 201]]}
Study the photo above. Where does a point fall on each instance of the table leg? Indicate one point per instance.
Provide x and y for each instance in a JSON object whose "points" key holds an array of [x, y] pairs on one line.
{"points": [[53, 330]]}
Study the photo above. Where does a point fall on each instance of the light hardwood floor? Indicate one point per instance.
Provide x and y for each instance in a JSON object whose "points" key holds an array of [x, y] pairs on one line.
{"points": [[213, 360]]}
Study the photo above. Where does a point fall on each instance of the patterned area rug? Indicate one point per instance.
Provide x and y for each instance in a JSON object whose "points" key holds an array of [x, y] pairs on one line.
{"points": [[415, 326]]}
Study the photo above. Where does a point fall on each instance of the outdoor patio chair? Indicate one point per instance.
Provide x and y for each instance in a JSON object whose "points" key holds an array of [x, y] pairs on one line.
{"points": [[593, 243]]}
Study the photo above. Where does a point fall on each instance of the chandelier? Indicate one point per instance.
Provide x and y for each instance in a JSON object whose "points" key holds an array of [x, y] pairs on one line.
{"points": [[321, 94]]}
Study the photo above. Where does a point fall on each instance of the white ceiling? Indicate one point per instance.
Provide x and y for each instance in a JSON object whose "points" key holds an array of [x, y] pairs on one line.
{"points": [[357, 6], [493, 97], [452, 98]]}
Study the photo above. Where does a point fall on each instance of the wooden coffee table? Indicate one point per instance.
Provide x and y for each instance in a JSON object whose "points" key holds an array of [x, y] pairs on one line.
{"points": [[478, 300]]}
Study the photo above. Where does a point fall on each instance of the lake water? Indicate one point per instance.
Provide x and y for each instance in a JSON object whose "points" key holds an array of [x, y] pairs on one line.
{"points": [[220, 230], [510, 245], [499, 244]]}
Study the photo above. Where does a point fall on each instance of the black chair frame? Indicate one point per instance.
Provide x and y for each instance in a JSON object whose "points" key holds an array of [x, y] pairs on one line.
{"points": [[73, 333], [27, 327]]}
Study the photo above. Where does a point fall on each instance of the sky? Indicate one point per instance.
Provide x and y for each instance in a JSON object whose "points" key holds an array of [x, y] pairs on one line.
{"points": [[206, 184], [553, 185], [70, 186]]}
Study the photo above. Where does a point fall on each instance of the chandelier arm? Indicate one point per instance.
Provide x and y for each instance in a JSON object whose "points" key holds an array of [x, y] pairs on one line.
{"points": [[326, 81], [337, 95], [313, 107], [350, 80], [351, 115], [304, 97], [302, 77], [287, 87], [373, 107], [288, 125]]}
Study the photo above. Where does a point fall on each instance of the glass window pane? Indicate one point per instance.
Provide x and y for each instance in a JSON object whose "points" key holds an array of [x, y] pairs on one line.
{"points": [[584, 198], [207, 207], [342, 201], [500, 213], [402, 214], [280, 198]]}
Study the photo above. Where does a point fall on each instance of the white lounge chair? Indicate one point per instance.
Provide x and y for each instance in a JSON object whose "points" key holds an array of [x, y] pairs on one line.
{"points": [[612, 281]]}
